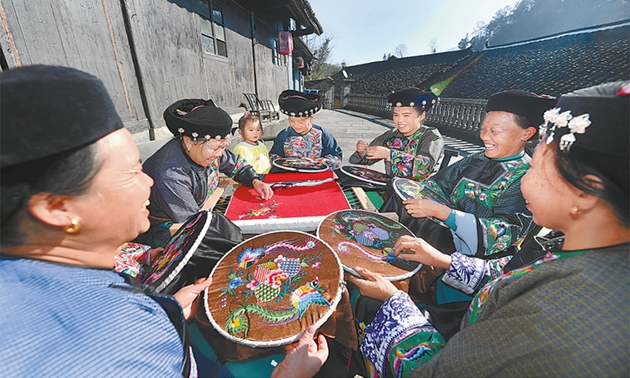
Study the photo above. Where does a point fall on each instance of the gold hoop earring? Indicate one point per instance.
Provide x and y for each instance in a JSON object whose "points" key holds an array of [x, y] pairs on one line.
{"points": [[575, 210], [74, 227]]}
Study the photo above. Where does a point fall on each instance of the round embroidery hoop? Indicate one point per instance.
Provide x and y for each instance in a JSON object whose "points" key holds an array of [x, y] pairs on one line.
{"points": [[274, 320], [407, 189], [297, 164], [178, 250], [360, 237], [365, 174], [411, 189]]}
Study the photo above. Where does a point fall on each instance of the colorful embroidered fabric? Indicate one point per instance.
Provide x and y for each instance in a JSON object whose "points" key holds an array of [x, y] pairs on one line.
{"points": [[467, 273], [133, 259], [477, 305], [365, 174], [413, 157], [301, 164], [394, 319], [317, 144], [272, 287], [178, 246], [415, 350], [366, 239], [295, 202], [498, 205]]}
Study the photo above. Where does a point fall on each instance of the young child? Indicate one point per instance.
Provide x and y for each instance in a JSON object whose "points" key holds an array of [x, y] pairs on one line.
{"points": [[251, 148]]}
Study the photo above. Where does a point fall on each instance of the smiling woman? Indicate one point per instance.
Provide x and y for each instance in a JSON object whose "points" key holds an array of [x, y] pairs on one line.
{"points": [[186, 169], [412, 150], [73, 191], [487, 214]]}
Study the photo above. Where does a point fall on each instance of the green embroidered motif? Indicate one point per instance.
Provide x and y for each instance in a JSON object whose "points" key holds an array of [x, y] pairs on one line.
{"points": [[488, 196], [265, 276], [479, 302]]}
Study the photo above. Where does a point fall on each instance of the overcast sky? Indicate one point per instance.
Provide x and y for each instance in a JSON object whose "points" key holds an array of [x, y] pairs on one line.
{"points": [[364, 30]]}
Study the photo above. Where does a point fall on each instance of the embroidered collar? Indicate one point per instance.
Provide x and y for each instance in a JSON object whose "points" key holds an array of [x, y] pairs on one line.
{"points": [[513, 157]]}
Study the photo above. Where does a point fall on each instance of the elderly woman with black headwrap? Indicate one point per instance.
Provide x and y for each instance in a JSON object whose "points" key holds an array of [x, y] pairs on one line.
{"points": [[186, 169], [73, 191], [565, 314], [479, 207], [412, 149]]}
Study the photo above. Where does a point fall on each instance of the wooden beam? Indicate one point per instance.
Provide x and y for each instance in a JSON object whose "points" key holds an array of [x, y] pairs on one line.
{"points": [[365, 202]]}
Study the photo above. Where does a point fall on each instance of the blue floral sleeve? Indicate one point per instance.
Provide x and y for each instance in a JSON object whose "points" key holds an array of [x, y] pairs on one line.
{"points": [[399, 337]]}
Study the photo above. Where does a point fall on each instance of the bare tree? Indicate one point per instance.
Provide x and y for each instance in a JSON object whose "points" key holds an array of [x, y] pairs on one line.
{"points": [[400, 50], [321, 65], [433, 46]]}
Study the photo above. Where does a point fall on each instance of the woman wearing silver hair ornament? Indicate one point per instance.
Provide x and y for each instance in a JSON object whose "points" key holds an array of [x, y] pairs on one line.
{"points": [[565, 314]]}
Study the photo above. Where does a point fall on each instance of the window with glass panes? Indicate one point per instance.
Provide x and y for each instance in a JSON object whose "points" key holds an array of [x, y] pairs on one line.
{"points": [[212, 28]]}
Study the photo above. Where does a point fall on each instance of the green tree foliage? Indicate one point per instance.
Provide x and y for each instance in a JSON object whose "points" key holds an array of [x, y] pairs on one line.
{"points": [[530, 19]]}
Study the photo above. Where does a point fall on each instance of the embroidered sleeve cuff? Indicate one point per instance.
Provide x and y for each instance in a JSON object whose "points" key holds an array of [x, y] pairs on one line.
{"points": [[394, 319], [466, 272]]}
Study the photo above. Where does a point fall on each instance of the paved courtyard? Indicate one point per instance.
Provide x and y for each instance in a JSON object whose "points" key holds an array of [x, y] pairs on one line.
{"points": [[347, 127]]}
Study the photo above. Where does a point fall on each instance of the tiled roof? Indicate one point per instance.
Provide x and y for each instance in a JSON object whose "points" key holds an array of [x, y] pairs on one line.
{"points": [[553, 66]]}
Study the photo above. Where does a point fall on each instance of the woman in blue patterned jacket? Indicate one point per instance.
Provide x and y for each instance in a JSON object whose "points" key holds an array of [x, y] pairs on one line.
{"points": [[73, 191], [302, 138]]}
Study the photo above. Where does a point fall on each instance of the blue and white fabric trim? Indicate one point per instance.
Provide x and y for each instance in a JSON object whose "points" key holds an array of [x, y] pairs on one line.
{"points": [[393, 320], [466, 273]]}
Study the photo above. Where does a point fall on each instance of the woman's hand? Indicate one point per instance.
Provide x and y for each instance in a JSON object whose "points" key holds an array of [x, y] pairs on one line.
{"points": [[378, 152], [187, 294], [304, 358], [422, 208], [418, 250], [263, 189], [362, 147], [374, 285]]}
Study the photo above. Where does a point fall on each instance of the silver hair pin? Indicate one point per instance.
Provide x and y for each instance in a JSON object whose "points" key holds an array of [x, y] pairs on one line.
{"points": [[555, 119]]}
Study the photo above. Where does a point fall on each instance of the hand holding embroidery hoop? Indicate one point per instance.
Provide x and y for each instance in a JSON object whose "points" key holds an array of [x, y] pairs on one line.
{"points": [[267, 290], [366, 239]]}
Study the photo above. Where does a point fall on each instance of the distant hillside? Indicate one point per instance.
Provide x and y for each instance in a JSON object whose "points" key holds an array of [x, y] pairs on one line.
{"points": [[554, 65], [530, 19]]}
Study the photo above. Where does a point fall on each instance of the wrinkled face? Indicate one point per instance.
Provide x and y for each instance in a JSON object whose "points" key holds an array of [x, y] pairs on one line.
{"points": [[407, 119], [501, 136], [301, 125], [114, 209], [205, 152], [252, 132], [549, 197]]}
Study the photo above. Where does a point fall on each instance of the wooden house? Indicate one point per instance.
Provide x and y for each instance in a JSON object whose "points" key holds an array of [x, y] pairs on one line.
{"points": [[152, 53]]}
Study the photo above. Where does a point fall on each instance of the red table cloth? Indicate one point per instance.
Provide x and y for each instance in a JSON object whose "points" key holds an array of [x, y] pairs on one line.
{"points": [[299, 208]]}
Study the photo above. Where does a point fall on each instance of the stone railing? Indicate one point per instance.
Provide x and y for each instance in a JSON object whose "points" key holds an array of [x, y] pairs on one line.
{"points": [[370, 104], [452, 116]]}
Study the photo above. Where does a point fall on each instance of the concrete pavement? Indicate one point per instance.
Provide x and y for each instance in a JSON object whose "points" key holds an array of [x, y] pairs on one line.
{"points": [[346, 126]]}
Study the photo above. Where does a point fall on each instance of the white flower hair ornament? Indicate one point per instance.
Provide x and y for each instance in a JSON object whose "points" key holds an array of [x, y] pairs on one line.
{"points": [[554, 119]]}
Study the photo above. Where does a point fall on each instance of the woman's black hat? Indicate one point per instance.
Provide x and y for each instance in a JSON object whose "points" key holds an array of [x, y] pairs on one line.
{"points": [[198, 118], [299, 104], [49, 110], [413, 96], [592, 126], [526, 104]]}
